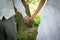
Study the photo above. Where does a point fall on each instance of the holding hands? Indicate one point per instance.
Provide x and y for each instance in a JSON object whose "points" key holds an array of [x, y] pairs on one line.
{"points": [[27, 18]]}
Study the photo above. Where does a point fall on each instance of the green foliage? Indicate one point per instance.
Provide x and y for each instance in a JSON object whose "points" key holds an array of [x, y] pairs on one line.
{"points": [[32, 35], [33, 1], [28, 34], [37, 19], [21, 35]]}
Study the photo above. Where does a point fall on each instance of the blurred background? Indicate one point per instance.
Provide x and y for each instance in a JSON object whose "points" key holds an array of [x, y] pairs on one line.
{"points": [[27, 31]]}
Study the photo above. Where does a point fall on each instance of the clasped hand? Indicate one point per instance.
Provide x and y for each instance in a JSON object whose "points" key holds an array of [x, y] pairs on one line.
{"points": [[27, 19]]}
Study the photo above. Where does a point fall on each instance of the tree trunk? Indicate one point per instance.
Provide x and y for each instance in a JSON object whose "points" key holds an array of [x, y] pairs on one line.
{"points": [[25, 3], [21, 26], [19, 18]]}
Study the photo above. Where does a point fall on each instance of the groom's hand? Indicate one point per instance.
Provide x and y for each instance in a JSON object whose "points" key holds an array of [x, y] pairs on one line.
{"points": [[26, 19]]}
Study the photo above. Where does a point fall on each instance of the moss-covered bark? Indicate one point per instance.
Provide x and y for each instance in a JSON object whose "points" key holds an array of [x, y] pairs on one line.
{"points": [[19, 18], [21, 26]]}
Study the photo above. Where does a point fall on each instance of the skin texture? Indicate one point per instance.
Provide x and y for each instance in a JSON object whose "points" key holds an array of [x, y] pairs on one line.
{"points": [[41, 3], [26, 19]]}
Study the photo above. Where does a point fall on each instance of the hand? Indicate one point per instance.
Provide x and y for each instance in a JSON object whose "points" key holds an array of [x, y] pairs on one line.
{"points": [[31, 18], [26, 19]]}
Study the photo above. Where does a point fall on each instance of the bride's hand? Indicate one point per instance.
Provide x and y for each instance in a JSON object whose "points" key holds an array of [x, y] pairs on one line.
{"points": [[31, 18]]}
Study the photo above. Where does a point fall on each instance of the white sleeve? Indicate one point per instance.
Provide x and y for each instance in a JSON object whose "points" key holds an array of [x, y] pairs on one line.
{"points": [[19, 5]]}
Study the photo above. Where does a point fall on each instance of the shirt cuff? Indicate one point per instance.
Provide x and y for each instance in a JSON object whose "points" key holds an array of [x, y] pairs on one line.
{"points": [[24, 14]]}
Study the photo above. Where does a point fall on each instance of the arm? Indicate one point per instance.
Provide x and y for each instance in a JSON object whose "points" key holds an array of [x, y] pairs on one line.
{"points": [[38, 8], [20, 7]]}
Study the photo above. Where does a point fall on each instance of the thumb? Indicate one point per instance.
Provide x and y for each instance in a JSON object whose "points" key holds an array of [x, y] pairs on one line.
{"points": [[31, 19]]}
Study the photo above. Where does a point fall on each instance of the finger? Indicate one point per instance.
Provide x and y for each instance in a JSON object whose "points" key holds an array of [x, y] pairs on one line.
{"points": [[25, 20], [31, 19]]}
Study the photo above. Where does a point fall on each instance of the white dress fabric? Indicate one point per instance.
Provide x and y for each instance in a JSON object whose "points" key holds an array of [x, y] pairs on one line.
{"points": [[49, 28]]}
